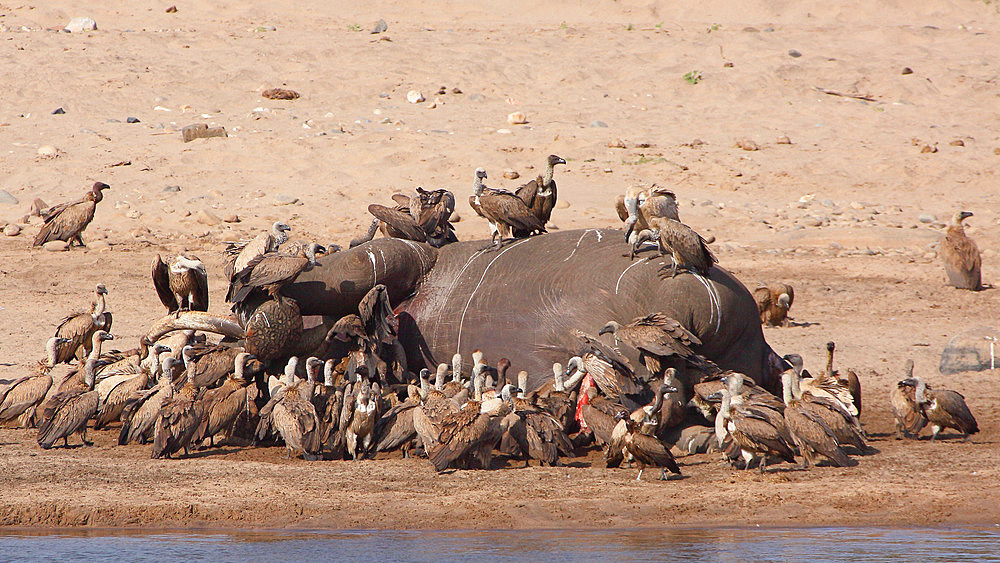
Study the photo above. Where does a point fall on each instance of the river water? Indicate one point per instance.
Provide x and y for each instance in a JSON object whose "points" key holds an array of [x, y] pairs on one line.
{"points": [[713, 544]]}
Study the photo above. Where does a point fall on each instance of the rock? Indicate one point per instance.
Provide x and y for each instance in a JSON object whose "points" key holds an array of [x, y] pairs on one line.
{"points": [[201, 131], [517, 118], [971, 351], [231, 218], [133, 214], [266, 28], [957, 143], [131, 120], [414, 97], [58, 111], [783, 140], [6, 198], [12, 230], [562, 204], [857, 205], [172, 10], [206, 217], [380, 27], [511, 174], [285, 199], [907, 70], [172, 189], [280, 94], [56, 246], [747, 145], [827, 202], [456, 90], [812, 221], [598, 124], [504, 131], [927, 218], [928, 149], [794, 54], [79, 25], [99, 246], [616, 144], [47, 150]]}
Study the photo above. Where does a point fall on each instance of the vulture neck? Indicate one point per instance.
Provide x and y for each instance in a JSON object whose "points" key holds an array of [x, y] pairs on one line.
{"points": [[657, 402], [89, 377], [51, 351], [99, 307], [921, 392], [522, 383], [560, 384], [95, 352], [573, 381], [786, 388]]}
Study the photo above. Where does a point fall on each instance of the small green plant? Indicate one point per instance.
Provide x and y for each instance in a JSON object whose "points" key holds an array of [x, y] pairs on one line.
{"points": [[643, 159], [563, 25], [715, 27], [693, 77], [629, 27], [354, 27], [659, 25]]}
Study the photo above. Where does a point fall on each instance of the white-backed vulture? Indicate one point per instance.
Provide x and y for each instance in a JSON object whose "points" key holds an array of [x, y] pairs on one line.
{"points": [[638, 205], [689, 249], [181, 418], [270, 272], [225, 403], [504, 211], [960, 255], [809, 431], [78, 328], [646, 450], [657, 337], [944, 408], [239, 254], [183, 285], [540, 194], [22, 396], [753, 430], [143, 408], [773, 302], [68, 412], [66, 221], [910, 419]]}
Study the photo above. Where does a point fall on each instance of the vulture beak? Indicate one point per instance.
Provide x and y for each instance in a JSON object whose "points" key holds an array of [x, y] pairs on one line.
{"points": [[561, 161], [966, 214], [622, 415], [605, 330], [910, 382]]}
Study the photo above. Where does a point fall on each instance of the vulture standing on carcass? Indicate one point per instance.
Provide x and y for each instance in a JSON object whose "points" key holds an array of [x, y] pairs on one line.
{"points": [[239, 254], [183, 285], [689, 249], [505, 211], [638, 206], [960, 255], [66, 221], [422, 217], [270, 272], [540, 194]]}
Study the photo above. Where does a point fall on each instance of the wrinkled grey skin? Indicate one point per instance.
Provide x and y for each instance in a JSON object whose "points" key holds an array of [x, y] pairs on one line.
{"points": [[521, 301]]}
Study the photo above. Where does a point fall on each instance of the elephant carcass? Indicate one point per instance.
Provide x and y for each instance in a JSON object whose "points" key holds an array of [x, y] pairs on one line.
{"points": [[522, 300]]}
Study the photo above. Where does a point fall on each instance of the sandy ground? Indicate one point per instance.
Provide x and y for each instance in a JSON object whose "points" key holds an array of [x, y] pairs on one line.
{"points": [[863, 264]]}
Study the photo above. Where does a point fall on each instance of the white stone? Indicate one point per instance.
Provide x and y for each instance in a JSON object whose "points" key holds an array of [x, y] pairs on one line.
{"points": [[47, 150], [414, 97], [56, 246], [79, 25]]}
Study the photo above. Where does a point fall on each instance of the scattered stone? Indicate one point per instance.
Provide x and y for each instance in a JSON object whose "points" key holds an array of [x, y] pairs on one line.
{"points": [[517, 118], [616, 144], [957, 143], [12, 230], [172, 189], [504, 131], [812, 222], [784, 140], [201, 131], [133, 214], [827, 202], [206, 217], [280, 94], [747, 145], [857, 205], [231, 218], [511, 174], [456, 90], [836, 245], [794, 54], [907, 70], [927, 218], [928, 149], [58, 111], [562, 204], [437, 102], [415, 97], [380, 27], [172, 10], [99, 246], [6, 198], [598, 124], [122, 205], [131, 120], [48, 151], [285, 199], [727, 64], [56, 246], [79, 25]]}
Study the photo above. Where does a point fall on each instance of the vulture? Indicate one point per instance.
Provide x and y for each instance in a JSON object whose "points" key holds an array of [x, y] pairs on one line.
{"points": [[535, 432], [943, 408], [611, 370], [808, 429], [428, 416], [960, 255], [753, 429], [690, 251], [909, 416], [183, 285], [270, 272], [68, 412], [647, 421], [142, 409], [115, 390], [78, 329], [181, 418], [358, 419], [239, 254], [66, 221], [504, 211], [77, 376], [422, 217], [657, 337], [224, 404], [852, 381], [209, 363], [773, 302], [291, 413], [823, 385], [639, 205], [539, 195], [23, 395], [646, 450], [470, 435]]}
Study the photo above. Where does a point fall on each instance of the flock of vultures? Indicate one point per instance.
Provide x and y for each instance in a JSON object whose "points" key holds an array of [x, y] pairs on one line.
{"points": [[348, 396]]}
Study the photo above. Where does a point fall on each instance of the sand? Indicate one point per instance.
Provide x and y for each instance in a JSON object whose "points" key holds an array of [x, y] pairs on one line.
{"points": [[831, 201]]}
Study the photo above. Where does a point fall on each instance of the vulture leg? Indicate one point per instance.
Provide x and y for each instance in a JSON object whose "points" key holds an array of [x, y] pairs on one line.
{"points": [[83, 436], [935, 429], [663, 474], [763, 464], [639, 477]]}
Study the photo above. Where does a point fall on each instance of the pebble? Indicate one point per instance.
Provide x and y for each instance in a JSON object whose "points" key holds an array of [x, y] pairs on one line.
{"points": [[6, 198], [562, 204], [47, 150], [285, 199], [172, 189], [784, 140], [265, 28], [857, 205], [99, 246], [79, 25], [380, 27], [616, 144], [12, 230], [927, 218], [928, 149], [58, 111], [133, 214], [206, 217], [414, 97], [747, 145], [231, 218], [455, 217], [56, 246], [957, 143], [172, 10], [826, 202], [131, 120], [812, 221], [794, 54], [280, 94], [598, 124], [907, 70], [504, 131], [517, 118], [511, 174]]}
